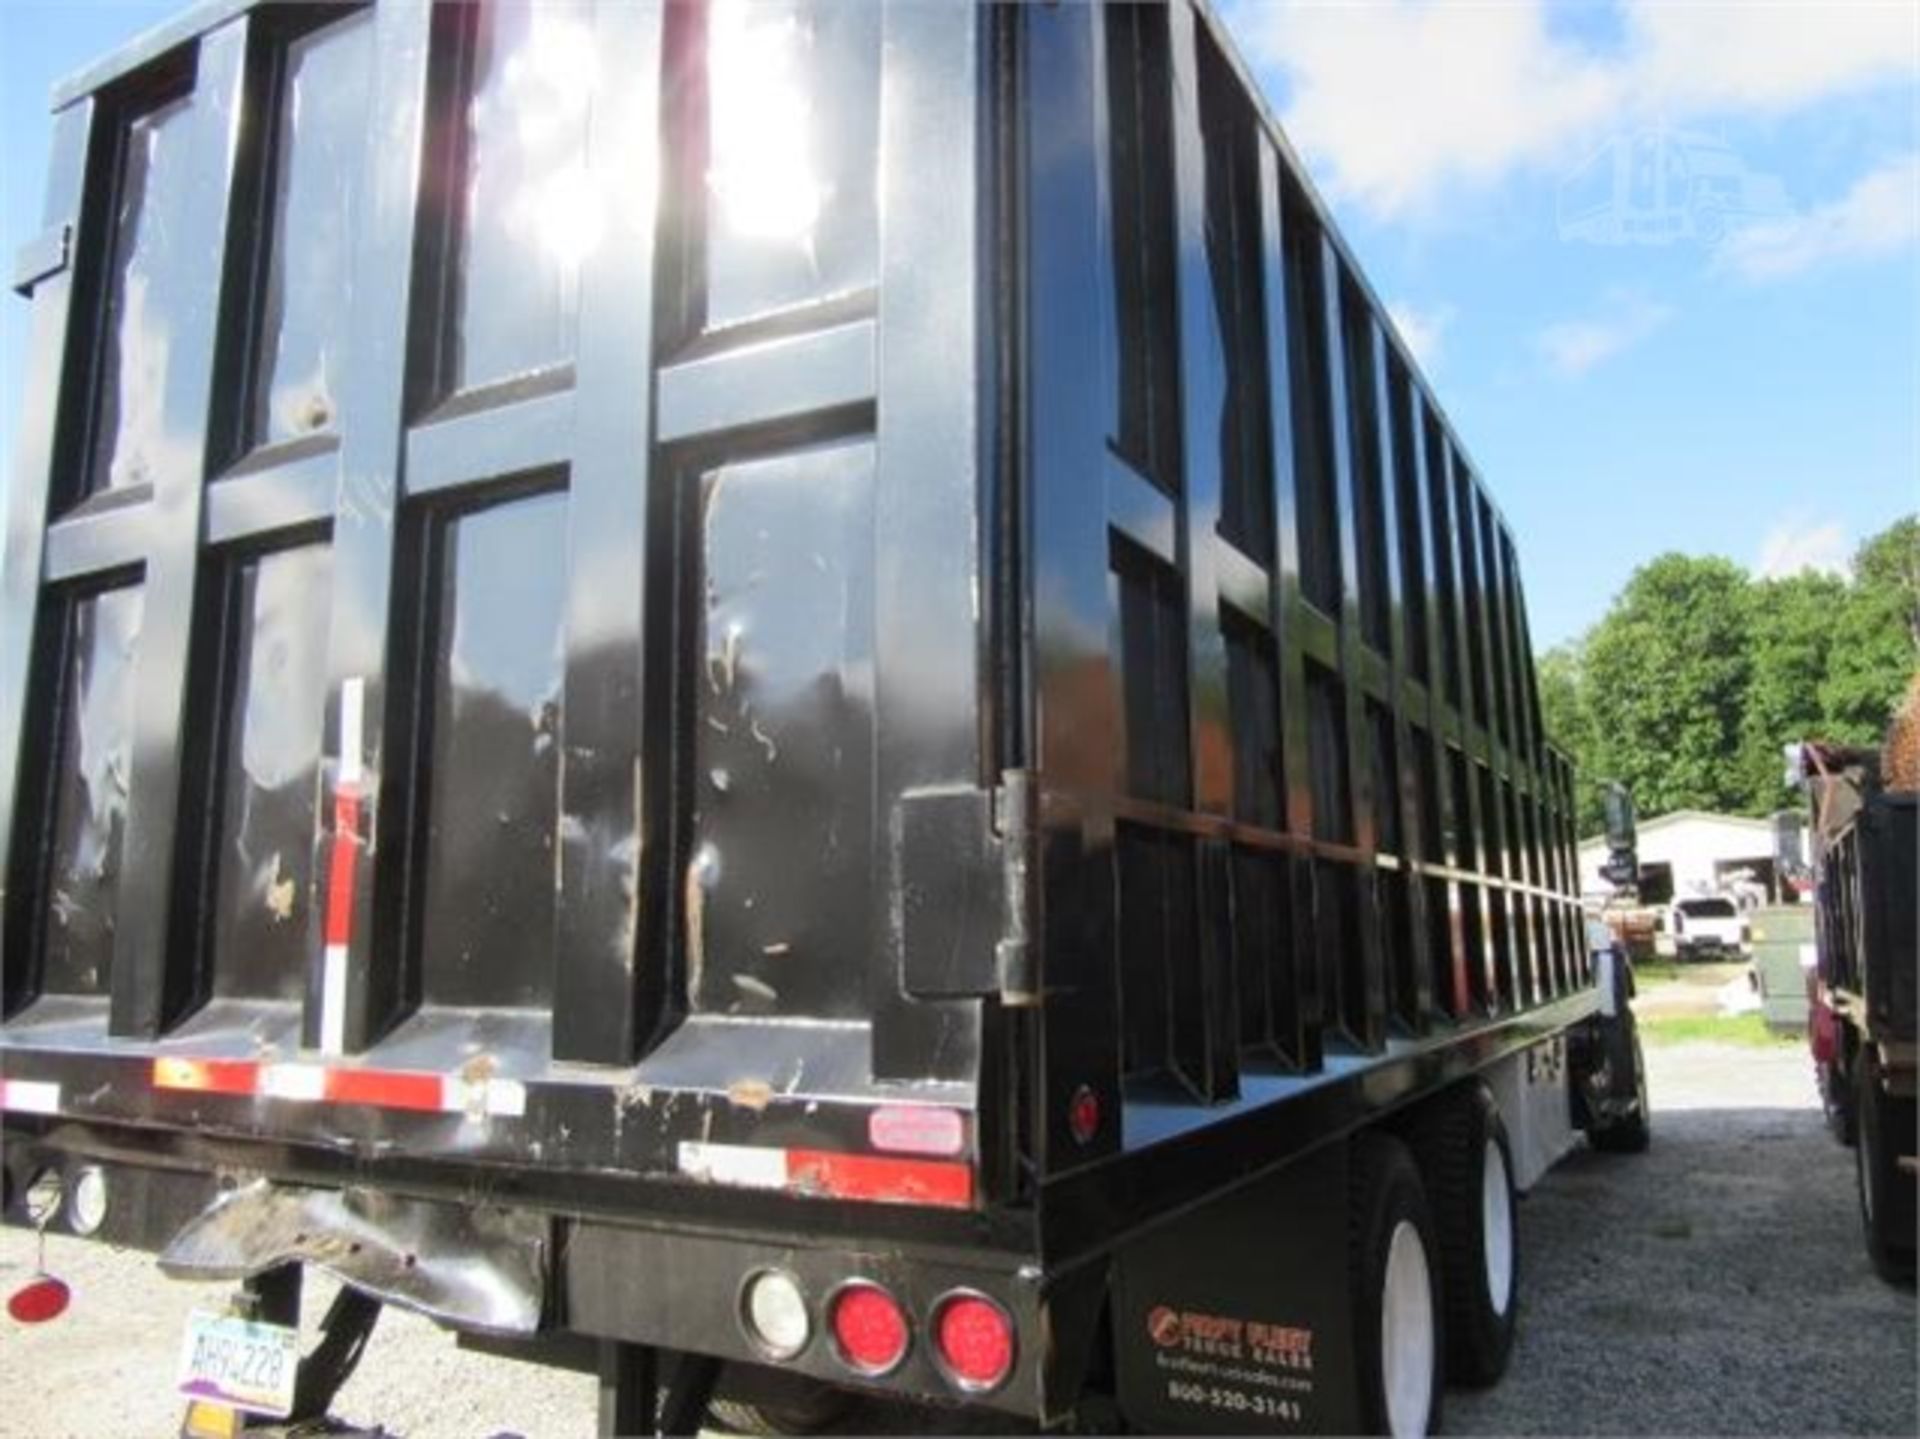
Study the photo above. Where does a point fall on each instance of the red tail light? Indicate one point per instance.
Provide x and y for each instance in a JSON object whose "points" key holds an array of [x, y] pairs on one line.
{"points": [[974, 1338], [869, 1328], [40, 1299]]}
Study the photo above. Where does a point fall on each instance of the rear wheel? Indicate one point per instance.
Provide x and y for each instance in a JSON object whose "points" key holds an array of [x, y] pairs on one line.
{"points": [[1467, 1162], [1836, 1102], [815, 1417], [1396, 1301], [1886, 1194], [1630, 1132], [752, 1399]]}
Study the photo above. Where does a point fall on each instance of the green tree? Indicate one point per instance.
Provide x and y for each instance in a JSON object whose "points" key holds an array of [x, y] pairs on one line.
{"points": [[1876, 636], [1666, 674], [1791, 633], [1569, 723], [1694, 679]]}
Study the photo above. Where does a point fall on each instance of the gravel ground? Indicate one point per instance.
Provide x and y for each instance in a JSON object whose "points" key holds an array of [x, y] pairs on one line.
{"points": [[1715, 1285]]}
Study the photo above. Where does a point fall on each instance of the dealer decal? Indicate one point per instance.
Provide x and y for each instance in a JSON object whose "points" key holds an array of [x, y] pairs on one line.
{"points": [[1220, 1336], [1251, 1368]]}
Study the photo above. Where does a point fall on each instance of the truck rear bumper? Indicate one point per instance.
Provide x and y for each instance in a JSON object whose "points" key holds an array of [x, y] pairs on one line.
{"points": [[513, 1268]]}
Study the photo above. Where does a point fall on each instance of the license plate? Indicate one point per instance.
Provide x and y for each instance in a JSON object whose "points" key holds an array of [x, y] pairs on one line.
{"points": [[240, 1363]]}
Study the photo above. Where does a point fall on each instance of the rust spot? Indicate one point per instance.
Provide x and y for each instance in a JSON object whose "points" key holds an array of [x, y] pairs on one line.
{"points": [[636, 1095], [280, 891], [754, 1094], [478, 1070]]}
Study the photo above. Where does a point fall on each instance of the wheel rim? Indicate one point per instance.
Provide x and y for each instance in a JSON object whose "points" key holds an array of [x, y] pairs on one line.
{"points": [[1406, 1332], [1496, 1227]]}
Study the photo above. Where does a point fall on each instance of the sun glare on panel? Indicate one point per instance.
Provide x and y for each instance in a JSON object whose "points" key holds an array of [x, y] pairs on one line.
{"points": [[549, 84], [761, 168]]}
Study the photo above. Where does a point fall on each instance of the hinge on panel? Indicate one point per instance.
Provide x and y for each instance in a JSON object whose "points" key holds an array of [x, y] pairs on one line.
{"points": [[1016, 820], [966, 891], [46, 254]]}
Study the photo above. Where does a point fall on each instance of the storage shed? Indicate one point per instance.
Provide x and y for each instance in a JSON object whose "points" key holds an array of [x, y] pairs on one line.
{"points": [[1692, 852]]}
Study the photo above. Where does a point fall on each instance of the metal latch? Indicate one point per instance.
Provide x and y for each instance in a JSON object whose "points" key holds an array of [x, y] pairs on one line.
{"points": [[966, 891], [1017, 955], [44, 255]]}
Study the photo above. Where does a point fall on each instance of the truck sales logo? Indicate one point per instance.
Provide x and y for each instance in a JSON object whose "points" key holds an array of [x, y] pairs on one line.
{"points": [[1220, 1336]]}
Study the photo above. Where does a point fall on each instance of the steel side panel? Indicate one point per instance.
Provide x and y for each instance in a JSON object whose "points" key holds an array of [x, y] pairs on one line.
{"points": [[152, 977], [31, 482]]}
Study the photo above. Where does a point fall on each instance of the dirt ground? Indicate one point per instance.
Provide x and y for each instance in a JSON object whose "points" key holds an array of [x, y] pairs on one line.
{"points": [[1715, 1285]]}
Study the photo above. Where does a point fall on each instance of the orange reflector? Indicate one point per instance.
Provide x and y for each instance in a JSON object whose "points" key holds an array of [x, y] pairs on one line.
{"points": [[207, 1076]]}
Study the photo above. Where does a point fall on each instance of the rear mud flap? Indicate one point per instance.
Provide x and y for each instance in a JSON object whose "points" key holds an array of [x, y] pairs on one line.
{"points": [[1237, 1316], [476, 1267]]}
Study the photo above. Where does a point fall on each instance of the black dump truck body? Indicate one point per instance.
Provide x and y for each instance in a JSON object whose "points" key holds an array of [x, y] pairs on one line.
{"points": [[671, 640], [1865, 988], [1867, 913]]}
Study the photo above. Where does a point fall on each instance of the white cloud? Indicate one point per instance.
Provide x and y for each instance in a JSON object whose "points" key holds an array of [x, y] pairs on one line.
{"points": [[1575, 346], [1765, 55], [1401, 102], [1879, 215], [1423, 328], [1794, 545], [1396, 101]]}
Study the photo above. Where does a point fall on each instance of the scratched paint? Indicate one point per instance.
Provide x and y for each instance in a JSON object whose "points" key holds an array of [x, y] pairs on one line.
{"points": [[783, 804], [322, 132], [493, 806], [275, 707], [148, 288], [90, 795]]}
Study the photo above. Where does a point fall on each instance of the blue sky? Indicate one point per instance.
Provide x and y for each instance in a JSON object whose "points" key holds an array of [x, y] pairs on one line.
{"points": [[1745, 387]]}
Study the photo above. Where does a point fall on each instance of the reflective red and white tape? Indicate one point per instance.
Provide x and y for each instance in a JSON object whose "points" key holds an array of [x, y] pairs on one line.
{"points": [[943, 1184], [342, 864], [29, 1096], [328, 1084]]}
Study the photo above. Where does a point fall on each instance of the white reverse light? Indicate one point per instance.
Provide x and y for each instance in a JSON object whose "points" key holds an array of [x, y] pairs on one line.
{"points": [[774, 1312]]}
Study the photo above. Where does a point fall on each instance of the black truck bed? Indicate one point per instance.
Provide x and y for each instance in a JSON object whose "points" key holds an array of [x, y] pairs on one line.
{"points": [[837, 623]]}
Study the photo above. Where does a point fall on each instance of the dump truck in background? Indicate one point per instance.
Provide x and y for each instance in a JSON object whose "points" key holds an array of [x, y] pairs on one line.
{"points": [[1862, 1004], [782, 698]]}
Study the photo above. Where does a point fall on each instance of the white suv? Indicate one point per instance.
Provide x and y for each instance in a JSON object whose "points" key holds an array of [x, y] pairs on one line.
{"points": [[1707, 927]]}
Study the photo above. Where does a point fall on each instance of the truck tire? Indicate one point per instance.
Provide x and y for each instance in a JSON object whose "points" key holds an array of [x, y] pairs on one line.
{"points": [[737, 1416], [1887, 1209], [1836, 1103], [1399, 1324], [776, 1403], [1632, 1132], [1467, 1163]]}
